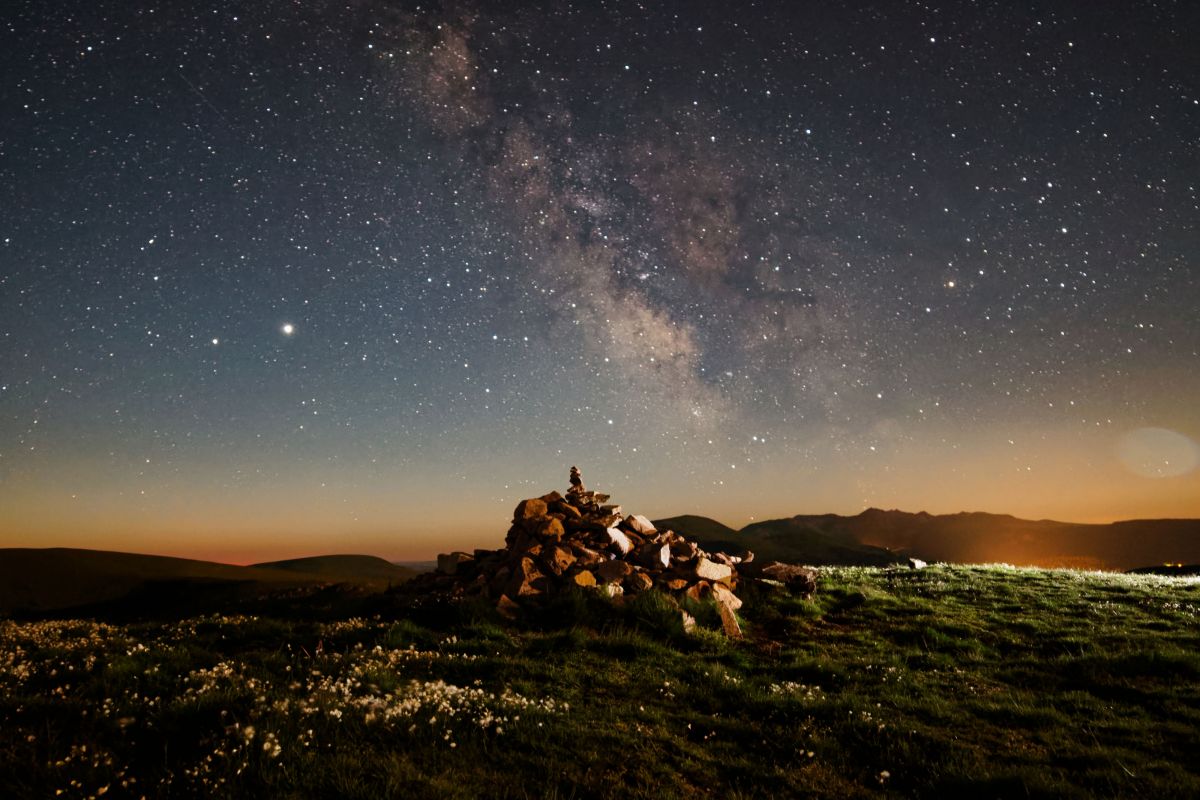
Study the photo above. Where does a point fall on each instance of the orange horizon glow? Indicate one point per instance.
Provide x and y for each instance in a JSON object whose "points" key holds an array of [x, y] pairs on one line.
{"points": [[197, 514]]}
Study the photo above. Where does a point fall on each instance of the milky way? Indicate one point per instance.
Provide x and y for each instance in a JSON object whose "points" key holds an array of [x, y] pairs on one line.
{"points": [[282, 278]]}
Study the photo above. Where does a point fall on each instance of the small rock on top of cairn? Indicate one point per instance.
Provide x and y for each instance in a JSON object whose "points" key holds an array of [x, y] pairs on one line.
{"points": [[576, 482]]}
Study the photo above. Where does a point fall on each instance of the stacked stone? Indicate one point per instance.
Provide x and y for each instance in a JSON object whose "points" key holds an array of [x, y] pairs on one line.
{"points": [[582, 540]]}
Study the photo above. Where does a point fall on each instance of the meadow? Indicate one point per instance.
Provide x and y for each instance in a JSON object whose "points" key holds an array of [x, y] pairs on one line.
{"points": [[990, 681]]}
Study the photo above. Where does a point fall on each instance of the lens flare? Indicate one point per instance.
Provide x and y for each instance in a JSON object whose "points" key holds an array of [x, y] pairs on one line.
{"points": [[1158, 453]]}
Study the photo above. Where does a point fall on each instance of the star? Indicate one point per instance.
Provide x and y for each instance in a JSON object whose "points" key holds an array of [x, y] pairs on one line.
{"points": [[288, 329]]}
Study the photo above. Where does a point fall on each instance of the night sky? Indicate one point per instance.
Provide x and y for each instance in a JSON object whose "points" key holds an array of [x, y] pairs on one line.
{"points": [[289, 278]]}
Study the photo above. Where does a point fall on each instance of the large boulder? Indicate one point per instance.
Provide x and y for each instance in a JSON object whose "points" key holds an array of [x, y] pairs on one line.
{"points": [[707, 570], [530, 509], [614, 571]]}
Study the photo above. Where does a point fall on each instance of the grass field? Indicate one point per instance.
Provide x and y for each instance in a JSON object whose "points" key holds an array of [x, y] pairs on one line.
{"points": [[948, 681]]}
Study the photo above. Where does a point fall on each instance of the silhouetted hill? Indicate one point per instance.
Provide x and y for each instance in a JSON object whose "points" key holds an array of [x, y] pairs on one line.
{"points": [[418, 566], [56, 579], [878, 537], [974, 537], [778, 540], [348, 567], [711, 535]]}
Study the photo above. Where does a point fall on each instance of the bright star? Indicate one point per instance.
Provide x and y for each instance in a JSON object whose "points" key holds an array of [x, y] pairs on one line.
{"points": [[288, 329]]}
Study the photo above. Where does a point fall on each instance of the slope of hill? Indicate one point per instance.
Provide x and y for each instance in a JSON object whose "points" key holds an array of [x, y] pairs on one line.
{"points": [[877, 537], [973, 537], [799, 540], [37, 580], [779, 540], [343, 567], [710, 534]]}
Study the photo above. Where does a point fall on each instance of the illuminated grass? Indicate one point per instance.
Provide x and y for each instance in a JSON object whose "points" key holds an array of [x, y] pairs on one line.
{"points": [[991, 680]]}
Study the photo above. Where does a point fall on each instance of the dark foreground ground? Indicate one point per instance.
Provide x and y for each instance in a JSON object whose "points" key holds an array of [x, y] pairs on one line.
{"points": [[984, 681]]}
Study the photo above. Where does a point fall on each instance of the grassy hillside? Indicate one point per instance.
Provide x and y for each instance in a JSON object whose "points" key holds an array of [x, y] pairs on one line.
{"points": [[61, 578], [943, 682]]}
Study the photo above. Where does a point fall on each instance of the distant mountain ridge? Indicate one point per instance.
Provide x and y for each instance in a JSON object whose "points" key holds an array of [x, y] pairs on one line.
{"points": [[876, 536]]}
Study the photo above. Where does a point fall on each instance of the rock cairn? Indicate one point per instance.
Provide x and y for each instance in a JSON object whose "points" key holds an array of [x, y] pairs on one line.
{"points": [[582, 540]]}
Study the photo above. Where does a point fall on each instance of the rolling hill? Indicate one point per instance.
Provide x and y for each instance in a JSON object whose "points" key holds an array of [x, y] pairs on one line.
{"points": [[877, 537], [350, 568], [973, 537], [59, 578], [789, 540]]}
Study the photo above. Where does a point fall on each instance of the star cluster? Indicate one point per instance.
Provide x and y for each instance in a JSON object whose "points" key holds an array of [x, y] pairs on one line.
{"points": [[281, 278]]}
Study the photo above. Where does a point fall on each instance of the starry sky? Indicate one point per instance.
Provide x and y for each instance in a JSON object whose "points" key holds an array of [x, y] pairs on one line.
{"points": [[289, 278]]}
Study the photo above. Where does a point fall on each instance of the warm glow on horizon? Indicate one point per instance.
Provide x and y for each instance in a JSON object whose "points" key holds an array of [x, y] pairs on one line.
{"points": [[351, 512]]}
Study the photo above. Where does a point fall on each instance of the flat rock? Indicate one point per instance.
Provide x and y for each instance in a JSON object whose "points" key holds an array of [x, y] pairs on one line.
{"points": [[723, 595], [640, 524], [584, 577], [449, 562], [586, 556], [797, 578], [729, 621], [711, 570], [613, 571], [617, 540]]}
